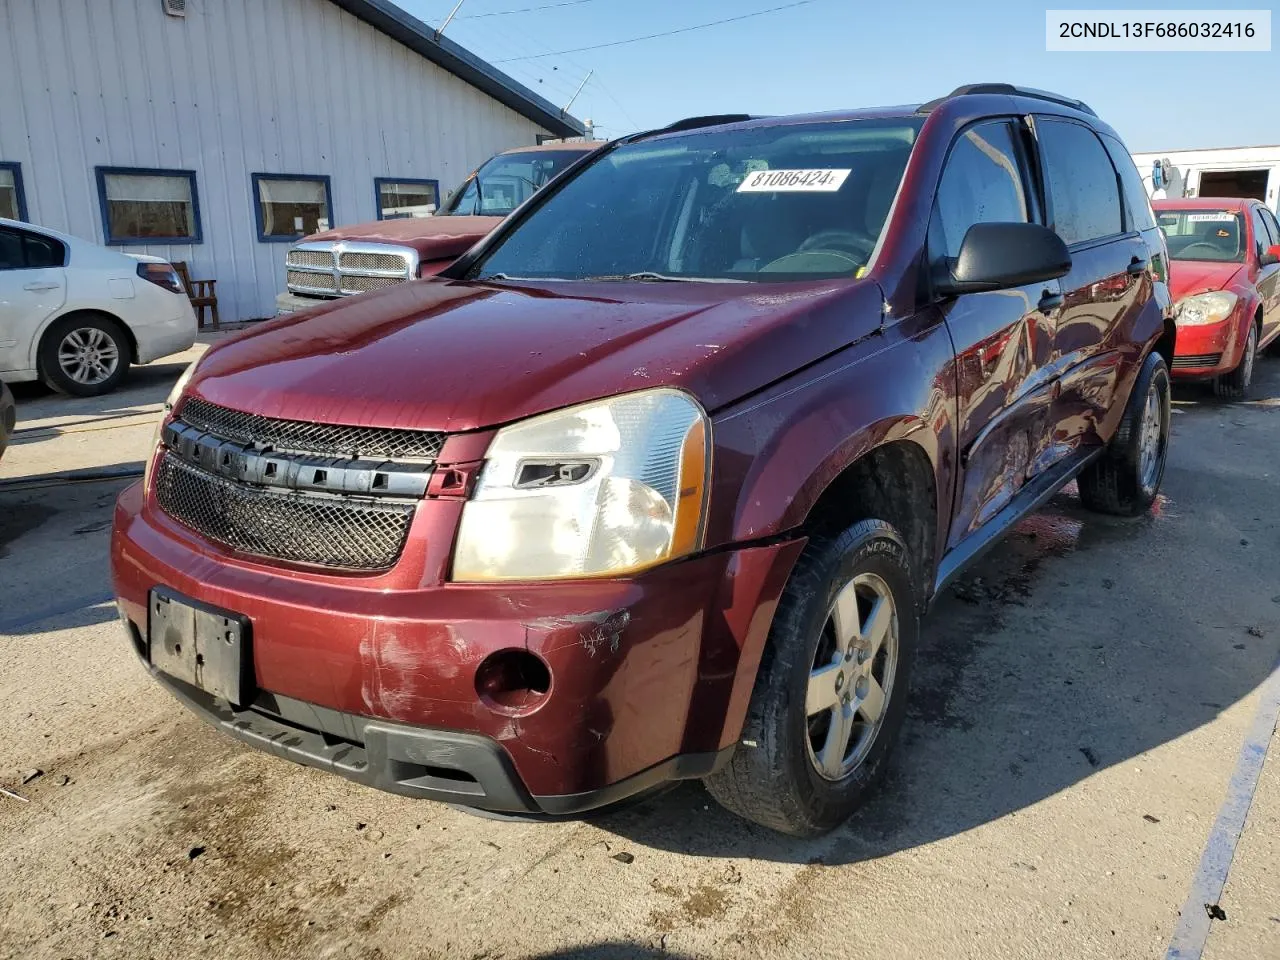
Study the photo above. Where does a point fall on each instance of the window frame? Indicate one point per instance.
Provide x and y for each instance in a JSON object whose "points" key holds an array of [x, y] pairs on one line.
{"points": [[1261, 242], [1051, 216], [1272, 222], [28, 234], [110, 240], [259, 223], [417, 181], [14, 167]]}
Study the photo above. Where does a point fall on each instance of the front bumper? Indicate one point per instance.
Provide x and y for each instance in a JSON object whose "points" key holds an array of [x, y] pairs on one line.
{"points": [[373, 677], [287, 302], [1209, 350]]}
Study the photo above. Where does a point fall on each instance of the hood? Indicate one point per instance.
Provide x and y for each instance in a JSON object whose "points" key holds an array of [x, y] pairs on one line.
{"points": [[1189, 277], [453, 355], [434, 238]]}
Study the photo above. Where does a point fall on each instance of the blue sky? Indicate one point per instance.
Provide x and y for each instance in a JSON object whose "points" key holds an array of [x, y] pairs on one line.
{"points": [[831, 54]]}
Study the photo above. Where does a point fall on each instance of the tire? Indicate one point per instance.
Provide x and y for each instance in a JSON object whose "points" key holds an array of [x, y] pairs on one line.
{"points": [[1122, 482], [99, 341], [1235, 385], [773, 778]]}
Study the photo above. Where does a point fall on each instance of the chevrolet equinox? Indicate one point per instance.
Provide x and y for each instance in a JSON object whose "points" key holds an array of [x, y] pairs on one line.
{"points": [[658, 480]]}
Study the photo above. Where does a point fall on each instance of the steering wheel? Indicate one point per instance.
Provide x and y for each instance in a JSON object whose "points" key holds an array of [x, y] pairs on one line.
{"points": [[1216, 250], [839, 241]]}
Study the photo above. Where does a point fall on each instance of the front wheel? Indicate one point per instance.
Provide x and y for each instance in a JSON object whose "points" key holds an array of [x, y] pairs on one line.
{"points": [[1235, 385], [1124, 481], [830, 696]]}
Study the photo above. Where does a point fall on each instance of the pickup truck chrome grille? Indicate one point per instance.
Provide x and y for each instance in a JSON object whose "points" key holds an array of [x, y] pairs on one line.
{"points": [[312, 493], [342, 268]]}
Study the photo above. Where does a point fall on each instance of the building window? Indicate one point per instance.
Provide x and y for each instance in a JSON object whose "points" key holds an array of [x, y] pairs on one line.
{"points": [[148, 206], [398, 199], [290, 206], [13, 202]]}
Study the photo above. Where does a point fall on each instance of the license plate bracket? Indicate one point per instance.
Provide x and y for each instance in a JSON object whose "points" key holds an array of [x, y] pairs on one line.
{"points": [[199, 644]]}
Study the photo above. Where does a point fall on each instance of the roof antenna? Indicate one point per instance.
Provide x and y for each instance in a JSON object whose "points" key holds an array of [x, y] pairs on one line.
{"points": [[576, 92], [456, 7]]}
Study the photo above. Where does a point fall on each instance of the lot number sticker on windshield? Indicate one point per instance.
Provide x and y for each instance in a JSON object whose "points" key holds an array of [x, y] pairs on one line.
{"points": [[1211, 218], [793, 181]]}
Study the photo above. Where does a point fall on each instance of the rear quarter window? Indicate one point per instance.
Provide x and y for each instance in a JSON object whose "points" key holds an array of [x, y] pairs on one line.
{"points": [[1081, 180]]}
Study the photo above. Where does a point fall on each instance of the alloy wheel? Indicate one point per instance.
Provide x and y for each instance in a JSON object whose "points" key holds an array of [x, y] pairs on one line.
{"points": [[852, 676], [1152, 435], [88, 356]]}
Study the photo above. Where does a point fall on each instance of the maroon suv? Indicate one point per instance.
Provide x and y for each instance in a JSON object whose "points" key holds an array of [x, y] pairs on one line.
{"points": [[657, 481]]}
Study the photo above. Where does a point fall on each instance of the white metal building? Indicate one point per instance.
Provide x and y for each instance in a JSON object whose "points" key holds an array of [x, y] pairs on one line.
{"points": [[218, 131], [1217, 172]]}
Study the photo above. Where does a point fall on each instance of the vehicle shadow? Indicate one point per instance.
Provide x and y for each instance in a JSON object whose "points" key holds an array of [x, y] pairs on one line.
{"points": [[1071, 648], [612, 950]]}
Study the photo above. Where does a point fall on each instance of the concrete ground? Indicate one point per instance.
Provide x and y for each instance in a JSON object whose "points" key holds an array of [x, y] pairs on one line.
{"points": [[1081, 707]]}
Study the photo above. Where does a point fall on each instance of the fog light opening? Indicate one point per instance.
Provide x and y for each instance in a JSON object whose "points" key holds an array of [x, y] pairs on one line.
{"points": [[513, 682]]}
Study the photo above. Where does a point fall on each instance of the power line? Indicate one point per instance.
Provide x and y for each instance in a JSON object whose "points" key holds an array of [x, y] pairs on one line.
{"points": [[504, 13], [665, 33]]}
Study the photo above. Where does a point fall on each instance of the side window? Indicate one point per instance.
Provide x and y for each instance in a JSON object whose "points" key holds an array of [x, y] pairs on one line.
{"points": [[1081, 180], [982, 183], [1135, 192], [11, 256], [42, 251], [1272, 225], [1261, 236]]}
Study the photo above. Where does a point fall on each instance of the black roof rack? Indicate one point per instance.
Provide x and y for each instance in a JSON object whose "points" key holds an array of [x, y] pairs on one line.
{"points": [[1010, 90]]}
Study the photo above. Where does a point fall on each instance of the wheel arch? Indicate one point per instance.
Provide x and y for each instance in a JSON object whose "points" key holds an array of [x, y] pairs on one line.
{"points": [[37, 342]]}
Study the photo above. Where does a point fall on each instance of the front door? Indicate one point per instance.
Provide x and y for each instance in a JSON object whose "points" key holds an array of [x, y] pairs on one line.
{"points": [[1268, 276], [32, 286], [1110, 263], [1003, 338]]}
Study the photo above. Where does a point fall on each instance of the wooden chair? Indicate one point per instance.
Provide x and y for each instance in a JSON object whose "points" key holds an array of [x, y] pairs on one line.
{"points": [[201, 293]]}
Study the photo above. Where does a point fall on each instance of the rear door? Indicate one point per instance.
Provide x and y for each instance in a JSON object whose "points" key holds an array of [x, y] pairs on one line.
{"points": [[1268, 276], [1109, 284], [32, 287], [1002, 339]]}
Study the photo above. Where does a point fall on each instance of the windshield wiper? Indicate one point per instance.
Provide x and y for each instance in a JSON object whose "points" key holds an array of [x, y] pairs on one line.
{"points": [[650, 276]]}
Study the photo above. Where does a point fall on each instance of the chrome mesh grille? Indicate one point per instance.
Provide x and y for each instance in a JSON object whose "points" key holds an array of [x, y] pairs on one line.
{"points": [[357, 284], [320, 439], [360, 534], [310, 258], [314, 281], [372, 261]]}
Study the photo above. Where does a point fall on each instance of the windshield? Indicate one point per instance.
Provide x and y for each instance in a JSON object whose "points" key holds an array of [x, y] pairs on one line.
{"points": [[506, 181], [1203, 234], [805, 201]]}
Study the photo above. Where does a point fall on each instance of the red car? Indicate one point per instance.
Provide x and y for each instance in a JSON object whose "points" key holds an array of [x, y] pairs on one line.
{"points": [[656, 481], [1225, 280]]}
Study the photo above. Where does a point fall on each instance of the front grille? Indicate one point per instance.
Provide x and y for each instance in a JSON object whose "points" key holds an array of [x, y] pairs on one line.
{"points": [[1198, 360], [320, 439], [312, 281], [358, 284], [372, 261], [358, 534], [310, 258]]}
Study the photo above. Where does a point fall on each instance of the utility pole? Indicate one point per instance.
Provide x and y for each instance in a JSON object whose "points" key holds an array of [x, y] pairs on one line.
{"points": [[456, 8], [576, 92]]}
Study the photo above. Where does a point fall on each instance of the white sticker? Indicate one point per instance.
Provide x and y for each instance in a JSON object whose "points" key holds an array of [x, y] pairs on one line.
{"points": [[1211, 218], [794, 181]]}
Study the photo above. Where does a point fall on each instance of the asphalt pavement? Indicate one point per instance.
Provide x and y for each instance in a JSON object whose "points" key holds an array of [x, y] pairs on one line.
{"points": [[1085, 762]]}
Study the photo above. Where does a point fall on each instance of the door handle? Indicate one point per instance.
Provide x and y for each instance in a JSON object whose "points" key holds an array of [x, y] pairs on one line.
{"points": [[1050, 300], [1137, 267], [40, 286]]}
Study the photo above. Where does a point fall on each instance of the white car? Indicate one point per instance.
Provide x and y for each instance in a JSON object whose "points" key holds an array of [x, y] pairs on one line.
{"points": [[75, 314]]}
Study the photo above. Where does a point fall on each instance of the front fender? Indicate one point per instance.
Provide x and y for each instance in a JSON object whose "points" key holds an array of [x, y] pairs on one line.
{"points": [[779, 451]]}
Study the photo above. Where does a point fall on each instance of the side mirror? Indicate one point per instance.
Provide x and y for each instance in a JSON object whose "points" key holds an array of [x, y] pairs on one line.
{"points": [[1270, 255], [996, 256]]}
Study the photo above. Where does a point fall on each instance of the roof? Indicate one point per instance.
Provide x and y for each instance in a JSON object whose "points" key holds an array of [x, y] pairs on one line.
{"points": [[385, 16], [1203, 203]]}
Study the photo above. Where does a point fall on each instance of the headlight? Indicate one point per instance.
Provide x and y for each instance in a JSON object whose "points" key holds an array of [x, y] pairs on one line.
{"points": [[174, 396], [598, 490], [1205, 308]]}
